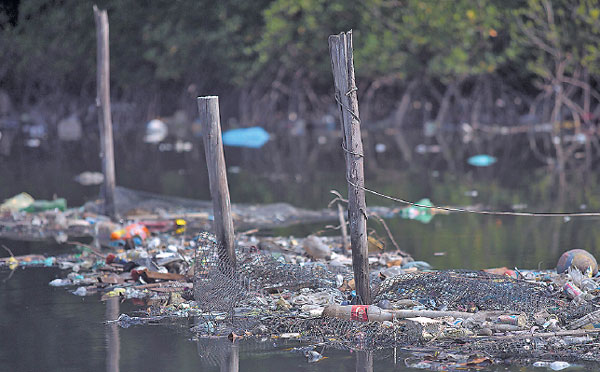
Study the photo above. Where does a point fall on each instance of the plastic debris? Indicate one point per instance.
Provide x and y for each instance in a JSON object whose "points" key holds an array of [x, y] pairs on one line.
{"points": [[315, 248], [558, 365], [132, 235], [60, 282], [17, 202], [421, 214], [314, 356], [70, 129], [156, 131], [80, 291], [89, 178], [481, 160], [303, 289], [46, 205], [252, 137]]}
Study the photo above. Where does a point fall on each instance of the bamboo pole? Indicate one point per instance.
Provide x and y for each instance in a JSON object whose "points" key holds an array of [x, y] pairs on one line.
{"points": [[208, 108], [104, 113], [342, 64]]}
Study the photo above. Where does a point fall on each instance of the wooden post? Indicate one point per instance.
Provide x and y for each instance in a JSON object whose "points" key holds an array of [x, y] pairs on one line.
{"points": [[342, 64], [208, 108], [104, 117]]}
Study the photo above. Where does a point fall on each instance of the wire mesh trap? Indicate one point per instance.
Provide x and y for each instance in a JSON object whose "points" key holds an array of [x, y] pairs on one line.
{"points": [[263, 294], [468, 291]]}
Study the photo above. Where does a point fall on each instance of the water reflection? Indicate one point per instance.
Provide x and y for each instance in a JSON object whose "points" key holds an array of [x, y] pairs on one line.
{"points": [[219, 353], [113, 342], [364, 361], [230, 358]]}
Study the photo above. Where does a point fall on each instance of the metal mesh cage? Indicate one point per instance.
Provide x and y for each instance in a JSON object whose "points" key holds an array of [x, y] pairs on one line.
{"points": [[262, 295]]}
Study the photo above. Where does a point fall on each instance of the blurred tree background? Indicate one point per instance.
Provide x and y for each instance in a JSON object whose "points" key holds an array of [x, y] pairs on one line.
{"points": [[474, 61]]}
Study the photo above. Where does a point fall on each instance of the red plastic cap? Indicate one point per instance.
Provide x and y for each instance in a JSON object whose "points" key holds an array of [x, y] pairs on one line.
{"points": [[110, 258]]}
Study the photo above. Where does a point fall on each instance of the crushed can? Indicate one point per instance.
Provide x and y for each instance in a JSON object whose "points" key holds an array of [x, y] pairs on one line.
{"points": [[518, 320], [572, 290]]}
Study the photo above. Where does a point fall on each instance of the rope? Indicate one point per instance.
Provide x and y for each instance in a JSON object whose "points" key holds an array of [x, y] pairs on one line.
{"points": [[344, 106], [463, 210], [450, 209]]}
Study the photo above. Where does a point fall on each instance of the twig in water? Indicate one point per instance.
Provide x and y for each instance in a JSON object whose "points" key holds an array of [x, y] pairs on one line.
{"points": [[12, 271], [8, 250], [92, 249], [389, 233]]}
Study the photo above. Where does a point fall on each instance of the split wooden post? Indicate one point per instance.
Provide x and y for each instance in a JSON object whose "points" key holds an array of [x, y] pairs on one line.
{"points": [[104, 116], [342, 64], [208, 108]]}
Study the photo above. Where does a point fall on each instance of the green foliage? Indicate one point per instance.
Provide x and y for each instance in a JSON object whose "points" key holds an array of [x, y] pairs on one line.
{"points": [[164, 46], [443, 40], [160, 43], [295, 35], [553, 32]]}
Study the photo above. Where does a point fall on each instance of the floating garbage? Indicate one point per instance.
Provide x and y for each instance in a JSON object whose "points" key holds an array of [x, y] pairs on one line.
{"points": [[558, 365], [421, 214], [132, 235], [179, 146], [156, 131], [380, 148], [70, 129], [60, 282], [33, 143], [80, 291], [89, 178], [304, 290], [46, 205], [252, 137], [17, 203], [481, 160], [24, 202], [428, 149]]}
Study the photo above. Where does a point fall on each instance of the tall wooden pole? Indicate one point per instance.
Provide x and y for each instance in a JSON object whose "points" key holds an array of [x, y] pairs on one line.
{"points": [[208, 108], [103, 107], [342, 64]]}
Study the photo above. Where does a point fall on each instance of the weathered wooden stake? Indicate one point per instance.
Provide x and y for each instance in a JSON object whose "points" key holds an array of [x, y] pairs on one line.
{"points": [[342, 64], [208, 108], [104, 117]]}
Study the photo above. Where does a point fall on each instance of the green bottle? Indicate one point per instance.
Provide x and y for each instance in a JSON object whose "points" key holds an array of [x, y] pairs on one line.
{"points": [[46, 205]]}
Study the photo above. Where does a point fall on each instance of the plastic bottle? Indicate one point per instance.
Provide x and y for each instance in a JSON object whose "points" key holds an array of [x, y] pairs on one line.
{"points": [[361, 313], [559, 365], [17, 202], [46, 205]]}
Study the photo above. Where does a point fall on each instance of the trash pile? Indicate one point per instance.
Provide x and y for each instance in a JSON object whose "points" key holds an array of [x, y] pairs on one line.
{"points": [[24, 218], [470, 311], [303, 290]]}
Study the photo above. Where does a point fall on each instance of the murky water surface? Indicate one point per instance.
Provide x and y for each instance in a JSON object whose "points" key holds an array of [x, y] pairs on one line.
{"points": [[46, 328]]}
